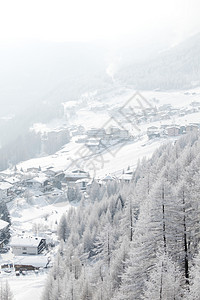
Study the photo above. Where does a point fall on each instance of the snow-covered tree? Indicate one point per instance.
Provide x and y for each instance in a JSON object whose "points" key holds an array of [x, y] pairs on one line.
{"points": [[165, 280], [63, 228], [137, 240], [192, 292], [5, 291], [5, 216]]}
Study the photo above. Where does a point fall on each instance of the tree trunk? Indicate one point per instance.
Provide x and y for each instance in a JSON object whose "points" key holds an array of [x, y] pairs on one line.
{"points": [[163, 219], [186, 267]]}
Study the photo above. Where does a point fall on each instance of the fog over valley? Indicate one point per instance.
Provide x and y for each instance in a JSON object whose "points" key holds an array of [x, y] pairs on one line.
{"points": [[99, 150]]}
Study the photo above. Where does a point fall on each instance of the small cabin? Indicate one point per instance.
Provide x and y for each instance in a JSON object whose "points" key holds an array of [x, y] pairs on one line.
{"points": [[153, 132], [192, 128], [173, 131], [76, 175], [82, 183], [108, 178], [126, 177], [96, 132], [33, 169]]}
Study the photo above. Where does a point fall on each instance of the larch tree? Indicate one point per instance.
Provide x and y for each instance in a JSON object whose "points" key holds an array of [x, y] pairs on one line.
{"points": [[5, 291], [63, 228], [165, 280], [192, 292]]}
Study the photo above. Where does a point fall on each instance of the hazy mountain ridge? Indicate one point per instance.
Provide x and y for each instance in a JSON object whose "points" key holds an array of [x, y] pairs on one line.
{"points": [[32, 70], [46, 74], [37, 77], [176, 68]]}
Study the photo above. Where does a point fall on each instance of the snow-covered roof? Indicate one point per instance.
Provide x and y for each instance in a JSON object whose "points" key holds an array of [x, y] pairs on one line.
{"points": [[5, 185], [53, 169], [12, 180], [193, 124], [174, 127], [38, 179], [21, 241], [127, 177], [56, 192], [41, 179], [3, 224], [76, 174], [94, 139], [152, 127], [83, 180], [129, 172], [108, 177], [93, 143], [81, 136], [32, 169], [79, 171], [33, 180], [31, 260], [57, 169], [7, 172]]}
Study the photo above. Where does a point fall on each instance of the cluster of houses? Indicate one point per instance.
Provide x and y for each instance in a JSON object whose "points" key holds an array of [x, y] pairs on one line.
{"points": [[171, 130], [152, 113], [167, 111], [100, 138], [27, 251], [24, 246], [48, 181]]}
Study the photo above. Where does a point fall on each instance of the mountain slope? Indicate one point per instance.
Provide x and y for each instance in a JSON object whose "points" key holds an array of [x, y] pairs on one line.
{"points": [[177, 68], [121, 234]]}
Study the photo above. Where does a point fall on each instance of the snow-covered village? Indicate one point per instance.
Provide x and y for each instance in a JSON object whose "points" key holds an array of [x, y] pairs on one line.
{"points": [[40, 196], [100, 150]]}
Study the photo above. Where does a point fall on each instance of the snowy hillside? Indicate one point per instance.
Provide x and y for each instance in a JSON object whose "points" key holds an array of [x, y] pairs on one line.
{"points": [[137, 240], [100, 111], [176, 68], [109, 132]]}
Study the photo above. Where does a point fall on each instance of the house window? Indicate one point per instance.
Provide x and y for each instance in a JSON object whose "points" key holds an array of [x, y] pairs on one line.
{"points": [[24, 250]]}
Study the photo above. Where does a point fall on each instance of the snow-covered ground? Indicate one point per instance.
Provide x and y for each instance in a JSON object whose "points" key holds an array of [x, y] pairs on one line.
{"points": [[25, 215], [115, 99], [99, 164], [41, 215], [122, 155], [28, 287], [31, 219]]}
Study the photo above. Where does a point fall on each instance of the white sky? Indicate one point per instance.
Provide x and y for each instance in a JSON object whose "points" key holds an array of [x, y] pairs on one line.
{"points": [[66, 20]]}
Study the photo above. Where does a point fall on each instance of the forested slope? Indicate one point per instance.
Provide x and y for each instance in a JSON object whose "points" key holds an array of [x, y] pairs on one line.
{"points": [[137, 240], [176, 68]]}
